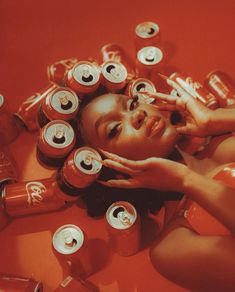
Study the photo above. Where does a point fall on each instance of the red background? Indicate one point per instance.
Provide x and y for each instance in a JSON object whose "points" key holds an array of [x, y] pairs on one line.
{"points": [[198, 36]]}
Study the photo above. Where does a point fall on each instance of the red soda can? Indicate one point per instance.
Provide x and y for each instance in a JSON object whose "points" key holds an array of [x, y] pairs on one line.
{"points": [[70, 247], [222, 87], [114, 76], [61, 104], [27, 112], [147, 34], [123, 226], [9, 130], [71, 284], [81, 169], [31, 197], [8, 168], [13, 283], [195, 89], [136, 87], [114, 52], [57, 72], [56, 140], [84, 77]]}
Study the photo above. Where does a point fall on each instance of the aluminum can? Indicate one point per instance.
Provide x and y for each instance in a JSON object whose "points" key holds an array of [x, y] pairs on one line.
{"points": [[13, 283], [28, 110], [123, 226], [57, 71], [221, 86], [70, 247], [8, 168], [114, 76], [61, 104], [84, 78], [8, 130], [31, 197], [114, 52], [147, 34], [196, 89], [56, 140], [136, 87], [71, 284], [81, 169]]}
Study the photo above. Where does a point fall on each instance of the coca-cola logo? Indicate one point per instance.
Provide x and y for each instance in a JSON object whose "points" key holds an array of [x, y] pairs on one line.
{"points": [[34, 192], [194, 84]]}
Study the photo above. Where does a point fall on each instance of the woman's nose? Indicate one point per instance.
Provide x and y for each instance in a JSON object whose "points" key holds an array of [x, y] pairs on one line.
{"points": [[137, 118]]}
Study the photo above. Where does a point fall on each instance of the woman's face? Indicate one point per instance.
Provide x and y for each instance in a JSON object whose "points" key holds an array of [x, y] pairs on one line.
{"points": [[121, 125]]}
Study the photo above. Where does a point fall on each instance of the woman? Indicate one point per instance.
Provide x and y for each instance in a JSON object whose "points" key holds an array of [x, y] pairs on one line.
{"points": [[145, 134]]}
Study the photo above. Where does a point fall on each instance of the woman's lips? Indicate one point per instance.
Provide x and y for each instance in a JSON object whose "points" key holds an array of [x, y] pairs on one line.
{"points": [[154, 125]]}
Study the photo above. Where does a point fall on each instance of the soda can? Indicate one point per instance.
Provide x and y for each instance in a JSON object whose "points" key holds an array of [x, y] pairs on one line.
{"points": [[61, 104], [136, 87], [8, 168], [28, 110], [13, 283], [71, 284], [57, 72], [31, 197], [196, 89], [123, 226], [114, 76], [56, 140], [81, 169], [221, 86], [114, 52], [147, 34], [70, 247], [9, 130], [84, 78]]}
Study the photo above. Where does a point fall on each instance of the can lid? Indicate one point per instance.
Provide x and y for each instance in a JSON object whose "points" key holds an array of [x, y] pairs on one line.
{"points": [[121, 215], [150, 55], [87, 160], [68, 239], [147, 29], [58, 134], [64, 101], [86, 73], [114, 71], [1, 100]]}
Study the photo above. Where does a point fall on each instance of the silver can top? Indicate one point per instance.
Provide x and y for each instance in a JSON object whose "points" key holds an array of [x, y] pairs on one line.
{"points": [[1, 100], [86, 73], [114, 71], [121, 215], [88, 160], [140, 85], [150, 55], [147, 29], [58, 134], [64, 101], [68, 239]]}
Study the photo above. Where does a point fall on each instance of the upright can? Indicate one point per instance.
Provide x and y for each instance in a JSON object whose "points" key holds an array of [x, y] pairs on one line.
{"points": [[8, 129], [61, 104], [81, 169], [114, 76], [136, 87], [69, 244], [196, 89], [56, 140], [114, 52], [221, 86], [28, 110], [147, 34], [84, 78], [123, 226], [57, 71]]}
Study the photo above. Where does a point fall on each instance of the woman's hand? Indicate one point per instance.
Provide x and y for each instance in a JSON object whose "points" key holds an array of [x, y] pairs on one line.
{"points": [[153, 173], [197, 116]]}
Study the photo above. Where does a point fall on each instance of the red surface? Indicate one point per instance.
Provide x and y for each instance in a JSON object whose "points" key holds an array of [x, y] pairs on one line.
{"points": [[198, 36]]}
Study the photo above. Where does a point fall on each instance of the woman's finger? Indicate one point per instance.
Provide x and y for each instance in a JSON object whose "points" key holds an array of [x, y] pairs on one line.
{"points": [[166, 97], [120, 183], [176, 86]]}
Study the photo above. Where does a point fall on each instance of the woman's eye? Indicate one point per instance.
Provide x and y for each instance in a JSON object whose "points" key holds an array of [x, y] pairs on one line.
{"points": [[133, 103], [113, 131]]}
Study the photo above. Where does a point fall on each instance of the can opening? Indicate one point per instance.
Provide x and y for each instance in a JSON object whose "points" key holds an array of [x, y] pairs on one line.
{"points": [[149, 59], [151, 31], [110, 68], [140, 86], [88, 78], [86, 164], [65, 103], [118, 210]]}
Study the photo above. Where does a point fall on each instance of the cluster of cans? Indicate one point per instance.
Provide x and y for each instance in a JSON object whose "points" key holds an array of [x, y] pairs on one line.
{"points": [[54, 111]]}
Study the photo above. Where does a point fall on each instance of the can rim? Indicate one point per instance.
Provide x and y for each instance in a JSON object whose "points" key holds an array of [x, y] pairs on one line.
{"points": [[95, 71], [144, 61], [146, 36], [109, 76]]}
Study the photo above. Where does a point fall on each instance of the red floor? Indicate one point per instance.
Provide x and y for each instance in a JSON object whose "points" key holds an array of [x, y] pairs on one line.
{"points": [[198, 36]]}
